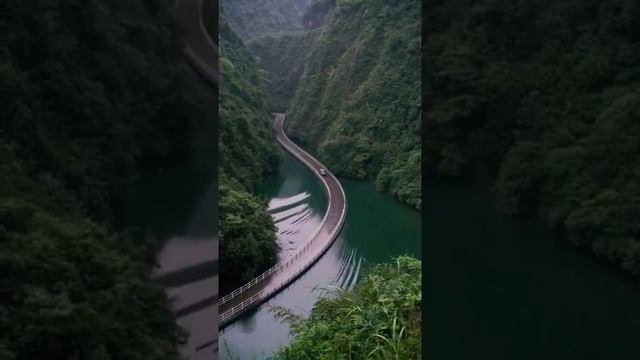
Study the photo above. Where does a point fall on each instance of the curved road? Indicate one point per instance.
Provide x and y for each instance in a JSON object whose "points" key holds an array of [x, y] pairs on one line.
{"points": [[286, 271], [200, 50], [202, 53]]}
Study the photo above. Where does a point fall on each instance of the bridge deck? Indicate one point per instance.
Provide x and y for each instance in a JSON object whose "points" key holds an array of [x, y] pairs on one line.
{"points": [[278, 277]]}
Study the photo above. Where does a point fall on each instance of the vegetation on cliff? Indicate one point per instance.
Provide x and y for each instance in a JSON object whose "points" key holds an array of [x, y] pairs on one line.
{"points": [[351, 84], [542, 99], [282, 56], [358, 104], [91, 91], [254, 18], [247, 234], [275, 33], [380, 319], [247, 151], [73, 289]]}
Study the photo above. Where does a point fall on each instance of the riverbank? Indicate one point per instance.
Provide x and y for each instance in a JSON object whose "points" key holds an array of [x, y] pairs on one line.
{"points": [[176, 204], [377, 228]]}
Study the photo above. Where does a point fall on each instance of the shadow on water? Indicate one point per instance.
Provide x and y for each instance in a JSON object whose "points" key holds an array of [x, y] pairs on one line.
{"points": [[178, 202], [377, 227]]}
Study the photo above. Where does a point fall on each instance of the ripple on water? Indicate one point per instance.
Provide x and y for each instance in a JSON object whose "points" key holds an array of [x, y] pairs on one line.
{"points": [[294, 219], [377, 227]]}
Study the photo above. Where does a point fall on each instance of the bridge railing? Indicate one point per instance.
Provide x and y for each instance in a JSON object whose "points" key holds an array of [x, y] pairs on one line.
{"points": [[272, 288], [288, 144]]}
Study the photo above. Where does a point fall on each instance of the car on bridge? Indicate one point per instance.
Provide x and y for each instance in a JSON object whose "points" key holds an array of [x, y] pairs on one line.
{"points": [[323, 172]]}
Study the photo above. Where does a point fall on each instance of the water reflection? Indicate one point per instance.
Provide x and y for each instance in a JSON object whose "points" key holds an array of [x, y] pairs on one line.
{"points": [[188, 268], [377, 227], [295, 220], [179, 204]]}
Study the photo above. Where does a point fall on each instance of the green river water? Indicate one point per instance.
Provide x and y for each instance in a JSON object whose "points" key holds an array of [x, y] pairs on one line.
{"points": [[377, 228], [496, 288]]}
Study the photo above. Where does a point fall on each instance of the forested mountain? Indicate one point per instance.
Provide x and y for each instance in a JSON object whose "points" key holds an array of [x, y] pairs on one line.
{"points": [[247, 151], [351, 83], [380, 319], [542, 99], [358, 105], [253, 18], [282, 56], [91, 91], [272, 31]]}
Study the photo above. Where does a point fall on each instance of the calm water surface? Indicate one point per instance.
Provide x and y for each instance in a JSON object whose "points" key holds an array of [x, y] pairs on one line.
{"points": [[502, 289], [179, 204], [377, 228]]}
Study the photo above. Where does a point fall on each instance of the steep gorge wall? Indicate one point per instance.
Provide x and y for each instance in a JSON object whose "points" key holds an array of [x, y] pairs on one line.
{"points": [[254, 18], [541, 99], [358, 105], [247, 151], [283, 57]]}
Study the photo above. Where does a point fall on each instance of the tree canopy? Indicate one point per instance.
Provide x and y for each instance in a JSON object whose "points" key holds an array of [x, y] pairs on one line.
{"points": [[542, 99], [253, 18], [358, 104], [91, 92], [247, 151], [380, 319]]}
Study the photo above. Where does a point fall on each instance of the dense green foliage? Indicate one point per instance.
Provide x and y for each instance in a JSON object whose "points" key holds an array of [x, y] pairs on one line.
{"points": [[283, 57], [86, 96], [254, 18], [247, 151], [358, 105], [72, 290], [283, 54], [247, 140], [380, 319], [248, 244], [90, 92], [542, 98]]}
